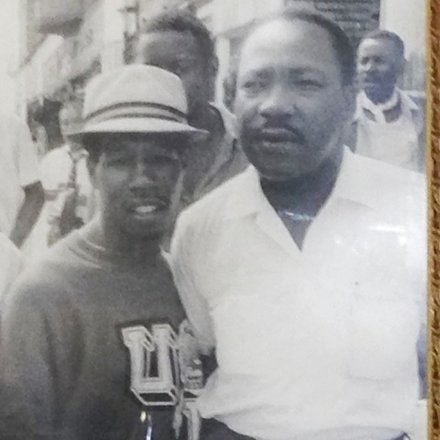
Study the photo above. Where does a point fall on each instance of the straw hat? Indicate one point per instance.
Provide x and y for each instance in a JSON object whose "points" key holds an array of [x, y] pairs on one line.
{"points": [[136, 99]]}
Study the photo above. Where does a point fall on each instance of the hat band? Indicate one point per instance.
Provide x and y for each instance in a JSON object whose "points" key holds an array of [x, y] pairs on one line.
{"points": [[136, 110]]}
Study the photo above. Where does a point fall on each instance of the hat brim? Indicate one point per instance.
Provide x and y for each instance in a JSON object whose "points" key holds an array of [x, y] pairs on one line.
{"points": [[140, 125]]}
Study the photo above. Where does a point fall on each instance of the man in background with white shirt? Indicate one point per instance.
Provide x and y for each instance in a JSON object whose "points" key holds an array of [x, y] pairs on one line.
{"points": [[304, 275], [388, 124], [66, 179], [21, 195]]}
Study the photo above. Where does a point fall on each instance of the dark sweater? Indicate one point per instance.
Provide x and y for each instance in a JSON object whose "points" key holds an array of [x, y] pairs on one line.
{"points": [[65, 369]]}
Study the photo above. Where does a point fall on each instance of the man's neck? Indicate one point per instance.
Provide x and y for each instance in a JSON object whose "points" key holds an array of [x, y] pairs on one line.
{"points": [[381, 98], [304, 195], [133, 249]]}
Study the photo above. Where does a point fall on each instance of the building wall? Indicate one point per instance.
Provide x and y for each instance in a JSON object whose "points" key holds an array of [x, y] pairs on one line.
{"points": [[56, 60], [58, 67]]}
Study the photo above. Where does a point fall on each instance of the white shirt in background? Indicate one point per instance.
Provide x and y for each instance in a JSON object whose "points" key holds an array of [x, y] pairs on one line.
{"points": [[318, 343], [55, 168], [18, 168], [395, 142]]}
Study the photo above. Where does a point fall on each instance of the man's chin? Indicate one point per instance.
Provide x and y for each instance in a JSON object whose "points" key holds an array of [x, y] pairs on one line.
{"points": [[147, 229], [375, 93], [278, 174]]}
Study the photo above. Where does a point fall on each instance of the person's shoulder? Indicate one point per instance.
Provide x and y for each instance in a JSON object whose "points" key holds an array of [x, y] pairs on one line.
{"points": [[214, 204], [389, 185], [394, 175], [203, 220], [47, 277]]}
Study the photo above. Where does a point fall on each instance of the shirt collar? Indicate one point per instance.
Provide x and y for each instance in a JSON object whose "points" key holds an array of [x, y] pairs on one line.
{"points": [[387, 105], [363, 102], [350, 185], [377, 110]]}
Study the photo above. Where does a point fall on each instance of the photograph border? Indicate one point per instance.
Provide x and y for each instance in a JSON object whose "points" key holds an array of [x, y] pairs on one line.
{"points": [[433, 124]]}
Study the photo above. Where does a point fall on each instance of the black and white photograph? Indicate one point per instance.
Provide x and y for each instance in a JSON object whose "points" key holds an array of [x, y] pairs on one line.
{"points": [[214, 220]]}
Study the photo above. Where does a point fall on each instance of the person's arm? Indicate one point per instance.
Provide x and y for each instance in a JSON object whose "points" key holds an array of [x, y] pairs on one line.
{"points": [[39, 354], [28, 214], [183, 260]]}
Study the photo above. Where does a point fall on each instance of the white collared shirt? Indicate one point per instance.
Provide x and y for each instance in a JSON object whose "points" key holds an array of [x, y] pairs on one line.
{"points": [[18, 168], [311, 344], [395, 142]]}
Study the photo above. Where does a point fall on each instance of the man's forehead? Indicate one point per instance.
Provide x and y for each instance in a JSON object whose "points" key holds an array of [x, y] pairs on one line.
{"points": [[157, 142], [287, 31], [297, 45], [379, 45]]}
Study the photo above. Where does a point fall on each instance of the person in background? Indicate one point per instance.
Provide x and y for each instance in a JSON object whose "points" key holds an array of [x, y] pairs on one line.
{"points": [[21, 195], [88, 332], [388, 124], [305, 274], [66, 180], [179, 42]]}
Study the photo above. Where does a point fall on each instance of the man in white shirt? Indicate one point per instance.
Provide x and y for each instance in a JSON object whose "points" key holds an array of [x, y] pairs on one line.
{"points": [[21, 195], [66, 179], [305, 273], [388, 124], [67, 188]]}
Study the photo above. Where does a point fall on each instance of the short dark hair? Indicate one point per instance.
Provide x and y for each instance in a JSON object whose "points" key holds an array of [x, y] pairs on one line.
{"points": [[341, 43], [380, 34], [181, 20]]}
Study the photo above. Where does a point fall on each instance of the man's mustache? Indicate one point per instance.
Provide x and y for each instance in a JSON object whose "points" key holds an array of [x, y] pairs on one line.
{"points": [[278, 130]]}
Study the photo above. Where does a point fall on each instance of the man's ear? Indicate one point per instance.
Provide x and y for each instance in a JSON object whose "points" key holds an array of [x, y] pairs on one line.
{"points": [[402, 66]]}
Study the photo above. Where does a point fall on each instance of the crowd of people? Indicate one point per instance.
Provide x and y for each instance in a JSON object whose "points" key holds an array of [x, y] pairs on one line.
{"points": [[257, 275]]}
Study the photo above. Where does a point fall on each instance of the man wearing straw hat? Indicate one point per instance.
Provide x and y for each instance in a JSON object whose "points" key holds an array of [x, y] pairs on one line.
{"points": [[88, 331]]}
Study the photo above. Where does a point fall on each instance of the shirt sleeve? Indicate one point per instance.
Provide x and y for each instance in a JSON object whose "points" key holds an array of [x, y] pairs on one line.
{"points": [[26, 155], [185, 251]]}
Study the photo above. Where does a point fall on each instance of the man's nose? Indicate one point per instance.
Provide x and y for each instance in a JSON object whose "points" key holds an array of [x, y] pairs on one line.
{"points": [[142, 176], [279, 102]]}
